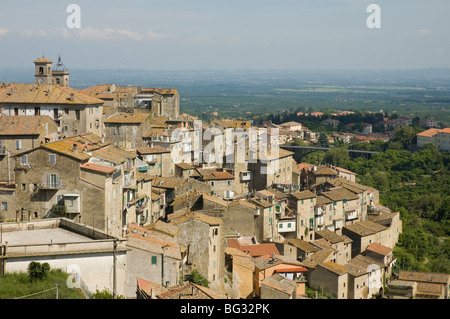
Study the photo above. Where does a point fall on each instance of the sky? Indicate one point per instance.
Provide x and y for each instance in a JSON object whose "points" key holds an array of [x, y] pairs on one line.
{"points": [[227, 34]]}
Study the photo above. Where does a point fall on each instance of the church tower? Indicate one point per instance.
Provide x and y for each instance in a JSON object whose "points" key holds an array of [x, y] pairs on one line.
{"points": [[60, 74], [43, 70]]}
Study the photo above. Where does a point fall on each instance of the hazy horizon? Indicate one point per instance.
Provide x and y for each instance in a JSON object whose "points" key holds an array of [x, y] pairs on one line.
{"points": [[228, 35]]}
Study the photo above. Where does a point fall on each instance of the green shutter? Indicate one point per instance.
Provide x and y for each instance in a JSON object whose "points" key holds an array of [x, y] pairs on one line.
{"points": [[153, 260]]}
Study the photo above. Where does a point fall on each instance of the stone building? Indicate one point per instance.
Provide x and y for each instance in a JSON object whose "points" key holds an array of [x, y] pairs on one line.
{"points": [[81, 178], [205, 242], [74, 112], [125, 130], [21, 133]]}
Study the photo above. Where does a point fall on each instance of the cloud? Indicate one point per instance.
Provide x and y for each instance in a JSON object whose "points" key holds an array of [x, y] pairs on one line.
{"points": [[425, 31], [3, 31], [89, 33]]}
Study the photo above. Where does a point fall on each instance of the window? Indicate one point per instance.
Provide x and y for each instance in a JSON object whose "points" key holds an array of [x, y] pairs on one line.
{"points": [[18, 144], [24, 159], [4, 206], [153, 260], [52, 158], [53, 180], [77, 114]]}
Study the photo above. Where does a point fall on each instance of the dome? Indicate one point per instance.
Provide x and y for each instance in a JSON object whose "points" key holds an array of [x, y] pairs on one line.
{"points": [[60, 66]]}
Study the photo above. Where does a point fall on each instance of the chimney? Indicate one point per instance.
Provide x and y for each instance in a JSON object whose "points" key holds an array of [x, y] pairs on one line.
{"points": [[72, 96], [75, 148]]}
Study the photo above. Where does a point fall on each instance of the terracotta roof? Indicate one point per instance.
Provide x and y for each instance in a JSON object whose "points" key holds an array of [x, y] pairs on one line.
{"points": [[379, 249], [14, 93], [144, 150], [304, 166], [88, 142], [429, 133], [127, 118], [325, 171], [23, 125], [212, 174], [148, 287], [113, 154], [98, 168], [260, 249], [445, 130], [43, 59]]}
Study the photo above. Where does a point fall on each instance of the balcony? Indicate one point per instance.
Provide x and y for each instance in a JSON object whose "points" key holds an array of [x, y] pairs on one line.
{"points": [[351, 214], [246, 176], [50, 185]]}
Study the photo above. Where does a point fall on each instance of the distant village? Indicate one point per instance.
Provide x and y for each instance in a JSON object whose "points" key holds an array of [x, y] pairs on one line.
{"points": [[105, 184]]}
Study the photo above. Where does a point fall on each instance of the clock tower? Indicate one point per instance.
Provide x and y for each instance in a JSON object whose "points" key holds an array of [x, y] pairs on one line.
{"points": [[43, 71]]}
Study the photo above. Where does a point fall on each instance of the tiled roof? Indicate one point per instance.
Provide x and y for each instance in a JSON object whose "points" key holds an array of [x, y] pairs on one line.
{"points": [[98, 168], [113, 154], [301, 244], [304, 195], [212, 174], [148, 287], [429, 133], [274, 154], [332, 237], [325, 171], [88, 142], [43, 59], [14, 93], [333, 267], [212, 221], [23, 125], [445, 130], [280, 283], [144, 150], [127, 118], [261, 202], [424, 277], [322, 200], [340, 194], [168, 182], [379, 249], [365, 228], [260, 249]]}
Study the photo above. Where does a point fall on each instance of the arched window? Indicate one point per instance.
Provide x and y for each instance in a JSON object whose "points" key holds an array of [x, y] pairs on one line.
{"points": [[41, 70]]}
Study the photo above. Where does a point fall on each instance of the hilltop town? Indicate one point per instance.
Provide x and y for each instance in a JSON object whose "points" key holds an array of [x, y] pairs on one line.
{"points": [[117, 185]]}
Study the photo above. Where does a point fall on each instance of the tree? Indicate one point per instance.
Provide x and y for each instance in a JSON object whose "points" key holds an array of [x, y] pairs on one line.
{"points": [[197, 278], [337, 156], [323, 140]]}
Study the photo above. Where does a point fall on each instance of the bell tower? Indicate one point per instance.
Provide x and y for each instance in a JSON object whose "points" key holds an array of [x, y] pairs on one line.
{"points": [[43, 70]]}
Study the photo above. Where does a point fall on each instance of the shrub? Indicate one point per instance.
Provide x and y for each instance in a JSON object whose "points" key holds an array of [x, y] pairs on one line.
{"points": [[38, 271]]}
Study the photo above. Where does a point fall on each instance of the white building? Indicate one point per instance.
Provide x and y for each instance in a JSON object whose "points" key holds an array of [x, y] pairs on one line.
{"points": [[68, 246]]}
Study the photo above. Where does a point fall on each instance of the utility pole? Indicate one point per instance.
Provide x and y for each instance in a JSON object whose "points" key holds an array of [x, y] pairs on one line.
{"points": [[114, 268]]}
